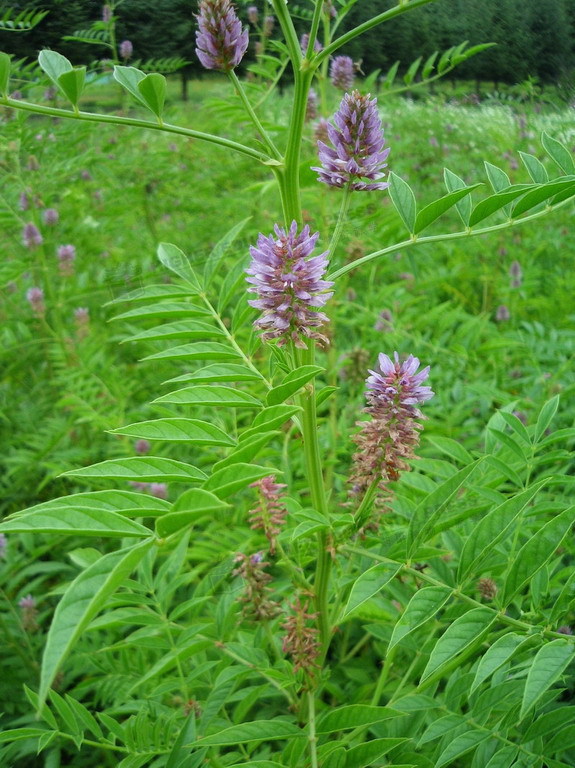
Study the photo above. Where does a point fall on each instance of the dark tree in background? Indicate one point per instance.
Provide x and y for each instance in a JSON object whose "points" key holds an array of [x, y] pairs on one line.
{"points": [[534, 37]]}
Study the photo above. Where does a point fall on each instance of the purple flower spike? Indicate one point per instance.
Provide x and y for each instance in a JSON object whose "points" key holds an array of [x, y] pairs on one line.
{"points": [[342, 72], [31, 236], [221, 42], [398, 384], [126, 49], [304, 42], [357, 146], [311, 106], [50, 217], [253, 14], [290, 287]]}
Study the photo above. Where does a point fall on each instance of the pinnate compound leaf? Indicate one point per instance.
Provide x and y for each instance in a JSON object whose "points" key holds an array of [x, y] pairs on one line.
{"points": [[548, 665], [293, 382], [492, 528], [176, 261], [495, 656], [18, 734], [81, 602], [403, 199], [210, 396], [369, 584], [545, 417], [558, 152], [460, 745], [177, 430], [423, 606], [354, 716], [229, 480], [141, 469], [77, 522], [260, 730], [536, 552], [54, 64], [433, 505], [4, 75], [152, 89], [465, 632], [436, 209]]}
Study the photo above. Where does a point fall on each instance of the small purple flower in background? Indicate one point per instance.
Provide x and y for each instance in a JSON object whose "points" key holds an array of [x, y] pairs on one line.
{"points": [[126, 49], [269, 515], [311, 106], [253, 14], [487, 588], [565, 630], [269, 23], [502, 314], [387, 441], [433, 141], [255, 600], [159, 490], [342, 72], [17, 95], [384, 322], [85, 175], [516, 274], [220, 41], [290, 286], [521, 416], [35, 297], [50, 217], [301, 640], [31, 236], [138, 486], [329, 9], [23, 201], [357, 146], [33, 164], [142, 446], [3, 546], [304, 42], [106, 14], [82, 318], [50, 93], [28, 610], [320, 131], [66, 258]]}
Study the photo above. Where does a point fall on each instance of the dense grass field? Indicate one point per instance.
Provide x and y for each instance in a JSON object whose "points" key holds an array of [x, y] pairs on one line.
{"points": [[493, 316]]}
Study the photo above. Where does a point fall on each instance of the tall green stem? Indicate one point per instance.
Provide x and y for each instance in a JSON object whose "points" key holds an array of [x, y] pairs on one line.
{"points": [[312, 738], [341, 220], [253, 117]]}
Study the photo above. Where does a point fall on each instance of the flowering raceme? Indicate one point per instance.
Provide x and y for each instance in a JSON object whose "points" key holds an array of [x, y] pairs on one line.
{"points": [[342, 72], [289, 285], [220, 41], [357, 152], [387, 441]]}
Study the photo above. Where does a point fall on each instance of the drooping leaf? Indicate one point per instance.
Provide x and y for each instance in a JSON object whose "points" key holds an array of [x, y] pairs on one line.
{"points": [[368, 584], [424, 604], [83, 599], [141, 469], [465, 632], [548, 665], [177, 430], [210, 396]]}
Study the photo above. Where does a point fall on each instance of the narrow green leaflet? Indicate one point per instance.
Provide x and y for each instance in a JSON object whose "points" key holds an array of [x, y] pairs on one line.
{"points": [[293, 382], [369, 584], [504, 757], [211, 396], [496, 202], [78, 522], [270, 418], [129, 78], [169, 310], [491, 529], [152, 469], [404, 200], [260, 730], [247, 450], [412, 71], [450, 448], [453, 182], [550, 722], [219, 372], [495, 656], [4, 75], [460, 745], [548, 665], [543, 192], [434, 504], [54, 64], [535, 168], [565, 739], [83, 599], [498, 179], [220, 250], [436, 209], [354, 716], [423, 606], [229, 480], [152, 89], [161, 291], [127, 503], [439, 728], [545, 417], [190, 506], [71, 84], [536, 552], [201, 350], [558, 152], [189, 330], [372, 750], [187, 735], [177, 430], [176, 261], [465, 632]]}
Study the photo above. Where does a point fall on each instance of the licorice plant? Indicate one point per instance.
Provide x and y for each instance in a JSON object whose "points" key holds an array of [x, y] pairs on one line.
{"points": [[276, 611]]}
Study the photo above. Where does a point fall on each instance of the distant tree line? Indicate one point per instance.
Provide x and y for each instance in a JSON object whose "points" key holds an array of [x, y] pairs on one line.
{"points": [[534, 37]]}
